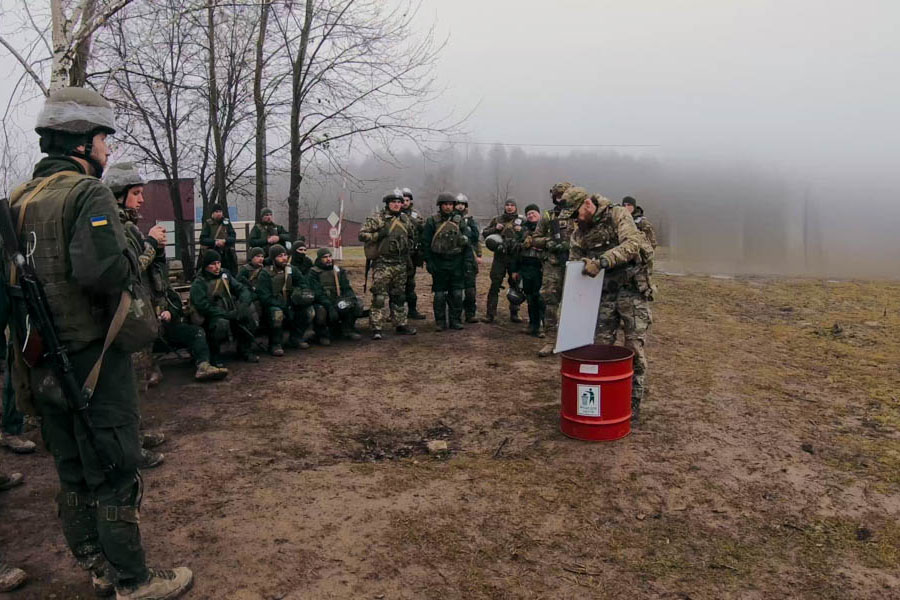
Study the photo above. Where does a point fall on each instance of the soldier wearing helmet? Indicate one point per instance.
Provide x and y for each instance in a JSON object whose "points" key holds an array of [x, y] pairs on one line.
{"points": [[605, 237], [445, 241], [505, 225], [417, 255], [552, 238], [472, 257], [389, 237], [78, 249]]}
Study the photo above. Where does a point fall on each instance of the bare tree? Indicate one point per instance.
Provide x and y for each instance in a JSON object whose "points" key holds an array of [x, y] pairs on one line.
{"points": [[259, 101]]}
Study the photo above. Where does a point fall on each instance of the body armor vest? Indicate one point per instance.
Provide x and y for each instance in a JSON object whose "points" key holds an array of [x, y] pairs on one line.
{"points": [[219, 230], [446, 235], [530, 252], [79, 318], [219, 290], [282, 282], [509, 223], [395, 245], [329, 280], [600, 238]]}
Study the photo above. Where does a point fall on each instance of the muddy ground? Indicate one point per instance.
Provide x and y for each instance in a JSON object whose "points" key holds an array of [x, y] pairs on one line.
{"points": [[766, 465]]}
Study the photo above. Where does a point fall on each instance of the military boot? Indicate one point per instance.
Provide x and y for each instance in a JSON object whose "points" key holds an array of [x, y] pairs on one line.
{"points": [[276, 350], [405, 330], [10, 481], [163, 584], [207, 372], [413, 313], [156, 375], [150, 460], [376, 334], [295, 341], [514, 316], [152, 439], [17, 444], [455, 299], [439, 305], [11, 577], [324, 340], [102, 582], [491, 312]]}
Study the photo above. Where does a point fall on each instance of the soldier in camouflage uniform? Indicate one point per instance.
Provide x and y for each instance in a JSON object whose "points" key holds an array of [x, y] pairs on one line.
{"points": [[389, 237], [471, 257], [342, 307], [445, 242], [552, 236], [285, 298], [417, 256], [66, 208], [643, 225], [218, 234], [505, 225], [527, 270], [223, 306], [605, 237], [266, 233]]}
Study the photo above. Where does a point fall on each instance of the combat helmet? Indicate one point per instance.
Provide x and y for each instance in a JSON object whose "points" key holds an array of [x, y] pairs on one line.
{"points": [[393, 196], [462, 199], [515, 295], [558, 189], [407, 193], [444, 198], [71, 117], [122, 176]]}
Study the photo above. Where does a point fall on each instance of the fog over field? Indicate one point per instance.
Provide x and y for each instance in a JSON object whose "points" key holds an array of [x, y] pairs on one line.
{"points": [[760, 136]]}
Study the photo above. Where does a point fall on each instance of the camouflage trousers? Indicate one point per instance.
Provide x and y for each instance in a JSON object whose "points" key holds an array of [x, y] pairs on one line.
{"points": [[388, 285], [551, 294], [630, 311]]}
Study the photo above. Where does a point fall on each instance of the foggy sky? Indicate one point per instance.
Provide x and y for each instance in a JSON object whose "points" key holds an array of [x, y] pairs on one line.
{"points": [[808, 85]]}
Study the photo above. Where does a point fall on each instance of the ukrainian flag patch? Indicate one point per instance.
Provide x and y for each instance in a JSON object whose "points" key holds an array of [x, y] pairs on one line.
{"points": [[100, 221]]}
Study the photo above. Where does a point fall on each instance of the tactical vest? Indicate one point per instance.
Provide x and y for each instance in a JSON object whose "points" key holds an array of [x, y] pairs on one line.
{"points": [[395, 245], [330, 280], [282, 282], [219, 291], [509, 225], [562, 224], [446, 236], [604, 236], [79, 317], [253, 276], [531, 251], [219, 230]]}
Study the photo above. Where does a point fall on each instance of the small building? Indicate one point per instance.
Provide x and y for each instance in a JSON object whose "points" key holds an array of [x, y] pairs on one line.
{"points": [[317, 232]]}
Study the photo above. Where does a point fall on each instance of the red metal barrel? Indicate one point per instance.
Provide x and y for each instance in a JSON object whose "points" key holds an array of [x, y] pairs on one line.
{"points": [[596, 393]]}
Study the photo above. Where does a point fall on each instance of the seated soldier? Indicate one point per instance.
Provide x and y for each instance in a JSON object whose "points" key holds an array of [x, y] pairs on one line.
{"points": [[249, 273], [299, 259], [287, 300], [343, 306], [222, 306]]}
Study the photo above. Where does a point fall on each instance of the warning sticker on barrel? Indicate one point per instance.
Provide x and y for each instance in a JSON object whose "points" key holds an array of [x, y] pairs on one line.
{"points": [[588, 400]]}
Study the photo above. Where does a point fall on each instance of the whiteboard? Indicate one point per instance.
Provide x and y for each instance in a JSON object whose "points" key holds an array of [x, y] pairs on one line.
{"points": [[579, 307]]}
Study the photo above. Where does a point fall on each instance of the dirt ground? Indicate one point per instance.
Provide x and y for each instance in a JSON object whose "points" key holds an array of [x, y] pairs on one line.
{"points": [[766, 465]]}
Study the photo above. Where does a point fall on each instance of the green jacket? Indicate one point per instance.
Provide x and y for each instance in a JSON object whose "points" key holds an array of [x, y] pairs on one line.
{"points": [[213, 231], [445, 236], [216, 296], [84, 278], [260, 233], [272, 293], [334, 282]]}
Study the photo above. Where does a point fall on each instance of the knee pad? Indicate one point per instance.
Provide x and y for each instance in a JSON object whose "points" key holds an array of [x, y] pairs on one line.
{"points": [[378, 301], [277, 316], [321, 315], [219, 330]]}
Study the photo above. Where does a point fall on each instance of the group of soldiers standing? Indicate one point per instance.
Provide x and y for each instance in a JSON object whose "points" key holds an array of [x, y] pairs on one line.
{"points": [[108, 292]]}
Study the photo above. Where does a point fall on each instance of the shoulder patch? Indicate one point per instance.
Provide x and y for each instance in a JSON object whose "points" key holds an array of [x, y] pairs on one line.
{"points": [[99, 221], [226, 222]]}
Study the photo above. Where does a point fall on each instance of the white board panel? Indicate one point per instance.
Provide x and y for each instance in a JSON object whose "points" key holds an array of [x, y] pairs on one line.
{"points": [[579, 307]]}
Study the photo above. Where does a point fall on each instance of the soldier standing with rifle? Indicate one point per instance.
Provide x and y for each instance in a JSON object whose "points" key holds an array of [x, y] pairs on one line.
{"points": [[218, 234], [75, 288], [267, 233], [552, 236]]}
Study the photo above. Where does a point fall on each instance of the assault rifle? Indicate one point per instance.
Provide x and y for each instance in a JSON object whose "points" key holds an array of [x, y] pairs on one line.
{"points": [[34, 320]]}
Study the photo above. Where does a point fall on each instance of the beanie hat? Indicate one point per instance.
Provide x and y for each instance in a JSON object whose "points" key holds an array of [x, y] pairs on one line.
{"points": [[323, 252], [275, 250], [209, 257], [265, 211], [254, 252], [629, 200], [215, 207], [531, 207]]}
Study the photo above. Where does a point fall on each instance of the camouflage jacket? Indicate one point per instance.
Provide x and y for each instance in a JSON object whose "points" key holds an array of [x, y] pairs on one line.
{"points": [[523, 249], [644, 226], [553, 233], [394, 235], [508, 231], [612, 235], [418, 222]]}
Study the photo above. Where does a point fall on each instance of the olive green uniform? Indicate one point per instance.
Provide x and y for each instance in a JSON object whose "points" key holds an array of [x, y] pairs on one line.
{"points": [[219, 230], [417, 256], [445, 240], [390, 237], [552, 237], [335, 285], [259, 236], [222, 305], [527, 264], [284, 308], [80, 253], [627, 290], [502, 261], [470, 265]]}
